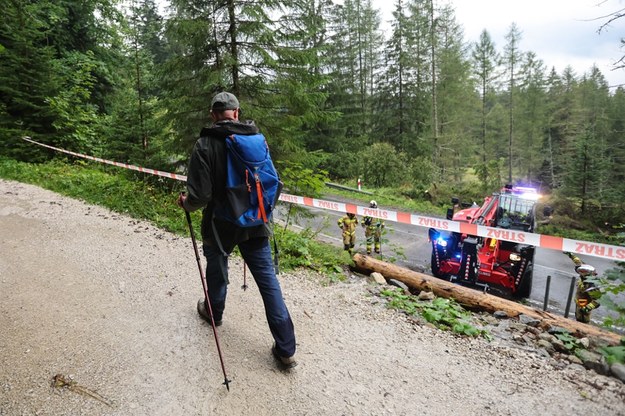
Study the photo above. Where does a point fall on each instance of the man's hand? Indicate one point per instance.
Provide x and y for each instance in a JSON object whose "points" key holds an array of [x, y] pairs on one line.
{"points": [[181, 198]]}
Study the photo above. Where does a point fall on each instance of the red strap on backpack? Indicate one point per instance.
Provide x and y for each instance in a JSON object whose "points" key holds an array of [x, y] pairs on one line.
{"points": [[261, 207]]}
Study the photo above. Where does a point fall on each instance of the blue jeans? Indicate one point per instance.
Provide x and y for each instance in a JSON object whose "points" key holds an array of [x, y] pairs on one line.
{"points": [[257, 255]]}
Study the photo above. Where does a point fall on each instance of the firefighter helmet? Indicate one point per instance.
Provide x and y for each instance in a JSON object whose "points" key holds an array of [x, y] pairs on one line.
{"points": [[373, 204]]}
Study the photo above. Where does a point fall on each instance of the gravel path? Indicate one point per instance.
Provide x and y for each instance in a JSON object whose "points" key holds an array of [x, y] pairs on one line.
{"points": [[110, 301]]}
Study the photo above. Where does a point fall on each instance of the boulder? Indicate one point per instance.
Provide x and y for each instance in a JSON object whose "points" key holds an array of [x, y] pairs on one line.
{"points": [[378, 278], [618, 371], [593, 361]]}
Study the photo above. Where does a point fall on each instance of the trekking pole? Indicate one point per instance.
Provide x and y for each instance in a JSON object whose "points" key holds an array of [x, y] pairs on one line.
{"points": [[276, 260], [244, 287], [208, 302]]}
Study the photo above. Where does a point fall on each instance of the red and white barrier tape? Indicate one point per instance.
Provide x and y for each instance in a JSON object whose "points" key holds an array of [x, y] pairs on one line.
{"points": [[111, 162], [605, 251]]}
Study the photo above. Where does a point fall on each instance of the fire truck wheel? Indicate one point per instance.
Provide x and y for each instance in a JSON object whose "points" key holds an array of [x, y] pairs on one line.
{"points": [[524, 290]]}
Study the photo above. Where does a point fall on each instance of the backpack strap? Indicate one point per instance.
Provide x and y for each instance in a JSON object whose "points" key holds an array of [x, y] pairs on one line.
{"points": [[259, 194]]}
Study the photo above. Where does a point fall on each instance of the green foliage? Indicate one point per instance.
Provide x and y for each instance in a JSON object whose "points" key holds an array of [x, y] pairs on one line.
{"points": [[446, 314], [26, 76], [570, 342], [421, 173], [613, 354], [96, 185], [391, 198], [568, 221], [381, 165], [300, 180], [75, 116], [302, 250], [343, 165], [490, 174]]}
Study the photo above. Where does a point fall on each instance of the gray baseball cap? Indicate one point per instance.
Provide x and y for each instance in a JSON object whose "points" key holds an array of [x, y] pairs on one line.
{"points": [[224, 101]]}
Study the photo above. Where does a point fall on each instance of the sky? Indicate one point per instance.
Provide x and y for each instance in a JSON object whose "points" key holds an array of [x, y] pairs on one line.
{"points": [[559, 32]]}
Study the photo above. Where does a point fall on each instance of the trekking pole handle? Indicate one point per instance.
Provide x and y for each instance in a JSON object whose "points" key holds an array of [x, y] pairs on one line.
{"points": [[181, 198]]}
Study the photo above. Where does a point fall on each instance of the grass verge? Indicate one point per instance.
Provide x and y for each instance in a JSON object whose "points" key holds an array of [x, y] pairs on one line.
{"points": [[125, 192]]}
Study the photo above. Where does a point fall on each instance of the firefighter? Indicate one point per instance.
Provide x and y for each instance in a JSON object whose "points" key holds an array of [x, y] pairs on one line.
{"points": [[373, 230], [348, 224], [587, 292]]}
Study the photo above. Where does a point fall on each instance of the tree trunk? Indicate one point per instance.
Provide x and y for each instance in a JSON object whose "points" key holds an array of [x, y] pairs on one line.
{"points": [[234, 49], [474, 299]]}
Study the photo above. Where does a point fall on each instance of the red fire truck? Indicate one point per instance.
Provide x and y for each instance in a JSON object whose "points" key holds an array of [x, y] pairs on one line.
{"points": [[485, 262]]}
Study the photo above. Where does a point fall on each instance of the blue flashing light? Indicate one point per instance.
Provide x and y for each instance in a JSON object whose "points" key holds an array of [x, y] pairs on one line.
{"points": [[441, 242], [458, 256], [526, 192]]}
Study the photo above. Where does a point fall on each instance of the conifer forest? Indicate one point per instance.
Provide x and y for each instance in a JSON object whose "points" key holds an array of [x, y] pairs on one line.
{"points": [[414, 106]]}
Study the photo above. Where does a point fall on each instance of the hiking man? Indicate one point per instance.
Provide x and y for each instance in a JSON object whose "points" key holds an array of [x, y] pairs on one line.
{"points": [[348, 224], [373, 230], [206, 188]]}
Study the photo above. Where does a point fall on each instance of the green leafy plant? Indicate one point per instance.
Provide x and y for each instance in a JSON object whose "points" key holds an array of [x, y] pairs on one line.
{"points": [[613, 354], [446, 314], [300, 249], [300, 180], [571, 343]]}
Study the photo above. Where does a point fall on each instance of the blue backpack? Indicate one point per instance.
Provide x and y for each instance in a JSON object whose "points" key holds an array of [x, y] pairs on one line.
{"points": [[252, 184]]}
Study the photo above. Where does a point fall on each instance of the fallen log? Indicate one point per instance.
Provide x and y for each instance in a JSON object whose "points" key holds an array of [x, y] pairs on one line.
{"points": [[474, 299]]}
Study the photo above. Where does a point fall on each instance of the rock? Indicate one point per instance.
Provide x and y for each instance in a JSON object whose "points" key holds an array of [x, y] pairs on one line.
{"points": [[548, 346], [533, 330], [528, 320], [395, 282], [618, 371], [378, 278], [517, 326], [417, 320], [593, 361], [559, 365], [541, 352], [577, 367], [423, 295], [489, 319], [584, 342], [557, 330], [574, 359], [500, 315], [546, 337], [559, 345]]}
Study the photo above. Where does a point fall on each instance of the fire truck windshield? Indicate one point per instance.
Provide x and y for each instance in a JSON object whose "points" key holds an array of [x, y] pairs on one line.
{"points": [[515, 212]]}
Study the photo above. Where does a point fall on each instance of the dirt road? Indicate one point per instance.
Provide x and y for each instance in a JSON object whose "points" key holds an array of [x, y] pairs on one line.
{"points": [[110, 301]]}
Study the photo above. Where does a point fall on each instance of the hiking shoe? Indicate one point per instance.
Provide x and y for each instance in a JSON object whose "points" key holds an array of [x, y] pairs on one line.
{"points": [[201, 309], [285, 362]]}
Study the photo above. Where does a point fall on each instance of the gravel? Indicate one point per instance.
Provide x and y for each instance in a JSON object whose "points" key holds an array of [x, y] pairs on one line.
{"points": [[109, 302]]}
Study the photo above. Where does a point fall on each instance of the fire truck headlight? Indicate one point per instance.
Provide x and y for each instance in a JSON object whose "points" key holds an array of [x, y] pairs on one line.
{"points": [[515, 257]]}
